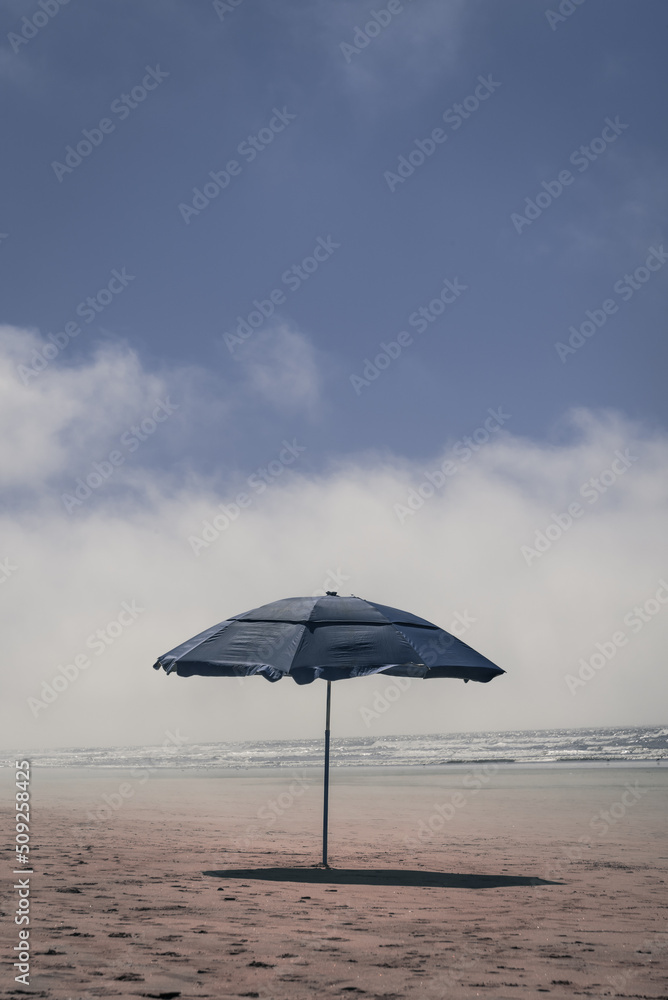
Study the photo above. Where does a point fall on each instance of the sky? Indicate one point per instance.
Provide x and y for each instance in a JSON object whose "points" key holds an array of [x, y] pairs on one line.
{"points": [[330, 296]]}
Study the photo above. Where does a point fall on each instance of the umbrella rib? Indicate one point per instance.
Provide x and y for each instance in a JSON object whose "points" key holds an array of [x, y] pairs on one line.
{"points": [[332, 621]]}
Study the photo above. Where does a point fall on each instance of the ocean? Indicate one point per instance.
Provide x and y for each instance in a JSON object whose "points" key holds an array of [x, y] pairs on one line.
{"points": [[541, 746]]}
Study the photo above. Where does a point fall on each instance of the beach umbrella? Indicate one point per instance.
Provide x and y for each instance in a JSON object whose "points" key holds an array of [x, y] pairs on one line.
{"points": [[328, 637]]}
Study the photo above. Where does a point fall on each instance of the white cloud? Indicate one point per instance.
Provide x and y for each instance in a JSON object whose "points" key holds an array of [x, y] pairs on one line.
{"points": [[52, 417], [460, 552], [281, 367]]}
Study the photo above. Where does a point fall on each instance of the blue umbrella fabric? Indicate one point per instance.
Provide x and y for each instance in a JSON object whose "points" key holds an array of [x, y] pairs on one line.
{"points": [[328, 637]]}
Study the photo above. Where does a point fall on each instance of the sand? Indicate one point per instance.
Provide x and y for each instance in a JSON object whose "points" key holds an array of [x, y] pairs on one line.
{"points": [[498, 882]]}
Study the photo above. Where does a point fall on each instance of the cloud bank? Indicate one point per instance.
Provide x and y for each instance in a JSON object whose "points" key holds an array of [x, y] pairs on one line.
{"points": [[536, 552]]}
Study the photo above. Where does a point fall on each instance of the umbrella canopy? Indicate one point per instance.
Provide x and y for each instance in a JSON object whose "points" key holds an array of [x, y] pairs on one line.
{"points": [[330, 637]]}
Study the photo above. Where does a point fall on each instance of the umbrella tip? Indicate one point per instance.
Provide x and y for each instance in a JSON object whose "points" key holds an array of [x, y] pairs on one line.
{"points": [[331, 593]]}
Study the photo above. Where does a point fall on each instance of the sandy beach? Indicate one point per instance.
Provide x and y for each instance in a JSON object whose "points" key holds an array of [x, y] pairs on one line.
{"points": [[476, 881]]}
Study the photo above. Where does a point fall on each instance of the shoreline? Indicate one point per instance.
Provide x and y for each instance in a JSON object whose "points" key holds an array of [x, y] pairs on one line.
{"points": [[382, 767]]}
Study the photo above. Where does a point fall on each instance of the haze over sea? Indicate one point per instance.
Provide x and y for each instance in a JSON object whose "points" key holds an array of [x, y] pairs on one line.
{"points": [[550, 746]]}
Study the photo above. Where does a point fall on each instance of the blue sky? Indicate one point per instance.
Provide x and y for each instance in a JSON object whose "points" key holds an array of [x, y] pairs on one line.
{"points": [[168, 284], [324, 176]]}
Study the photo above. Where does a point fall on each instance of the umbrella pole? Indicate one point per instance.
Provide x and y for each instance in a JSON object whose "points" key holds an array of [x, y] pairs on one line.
{"points": [[325, 810]]}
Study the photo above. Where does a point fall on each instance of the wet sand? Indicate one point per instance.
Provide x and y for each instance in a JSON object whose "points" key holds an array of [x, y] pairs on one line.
{"points": [[497, 882]]}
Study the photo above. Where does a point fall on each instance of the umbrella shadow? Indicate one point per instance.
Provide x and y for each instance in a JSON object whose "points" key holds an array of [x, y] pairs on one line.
{"points": [[376, 876]]}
